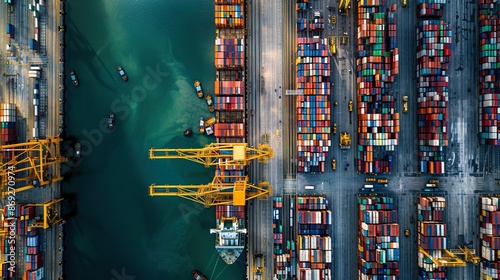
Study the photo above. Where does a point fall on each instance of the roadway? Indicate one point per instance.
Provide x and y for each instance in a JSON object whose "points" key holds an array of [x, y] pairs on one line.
{"points": [[264, 83]]}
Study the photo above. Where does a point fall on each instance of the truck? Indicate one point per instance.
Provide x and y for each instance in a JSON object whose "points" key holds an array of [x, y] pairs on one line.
{"points": [[405, 104], [403, 3], [350, 105], [345, 140], [334, 128], [258, 266]]}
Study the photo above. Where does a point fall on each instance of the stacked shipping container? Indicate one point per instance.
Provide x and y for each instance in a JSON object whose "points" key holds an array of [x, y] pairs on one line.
{"points": [[284, 256], [377, 65], [489, 72], [489, 233], [8, 119], [378, 238], [313, 79], [433, 56], [313, 240], [17, 220], [229, 87], [431, 236], [313, 108], [430, 8]]}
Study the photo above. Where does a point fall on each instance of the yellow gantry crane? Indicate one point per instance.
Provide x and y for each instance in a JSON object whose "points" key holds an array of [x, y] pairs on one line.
{"points": [[450, 257], [50, 213], [345, 5], [30, 164], [223, 189]]}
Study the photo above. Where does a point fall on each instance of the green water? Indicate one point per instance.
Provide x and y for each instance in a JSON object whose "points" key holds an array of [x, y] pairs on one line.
{"points": [[118, 230]]}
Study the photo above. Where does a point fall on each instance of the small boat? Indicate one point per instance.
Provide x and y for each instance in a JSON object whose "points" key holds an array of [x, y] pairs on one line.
{"points": [[198, 276], [202, 125], [111, 121], [210, 121], [122, 73], [78, 150], [74, 78], [210, 102], [199, 90], [188, 132]]}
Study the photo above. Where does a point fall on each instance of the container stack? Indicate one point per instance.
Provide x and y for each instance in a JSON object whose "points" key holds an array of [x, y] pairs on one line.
{"points": [[20, 218], [34, 256], [313, 241], [376, 67], [430, 8], [378, 238], [8, 119], [317, 23], [10, 31], [229, 14], [230, 173], [433, 55], [489, 233], [229, 87], [229, 53], [431, 236], [313, 108], [280, 271], [489, 72]]}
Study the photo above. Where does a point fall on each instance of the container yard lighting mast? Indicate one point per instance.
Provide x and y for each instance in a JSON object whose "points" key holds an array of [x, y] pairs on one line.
{"points": [[31, 164], [223, 189]]}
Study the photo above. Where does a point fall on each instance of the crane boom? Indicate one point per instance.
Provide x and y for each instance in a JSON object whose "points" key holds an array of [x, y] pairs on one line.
{"points": [[216, 154], [216, 192]]}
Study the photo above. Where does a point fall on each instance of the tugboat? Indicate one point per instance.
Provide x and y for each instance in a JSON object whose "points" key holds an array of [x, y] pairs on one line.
{"points": [[122, 73], [188, 132], [210, 102], [74, 78], [111, 121], [198, 276], [199, 90], [202, 125]]}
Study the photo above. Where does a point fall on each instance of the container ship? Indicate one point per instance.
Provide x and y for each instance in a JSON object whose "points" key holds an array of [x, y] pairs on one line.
{"points": [[376, 67], [434, 39], [489, 75], [199, 90], [431, 236], [378, 238], [229, 107], [230, 232]]}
